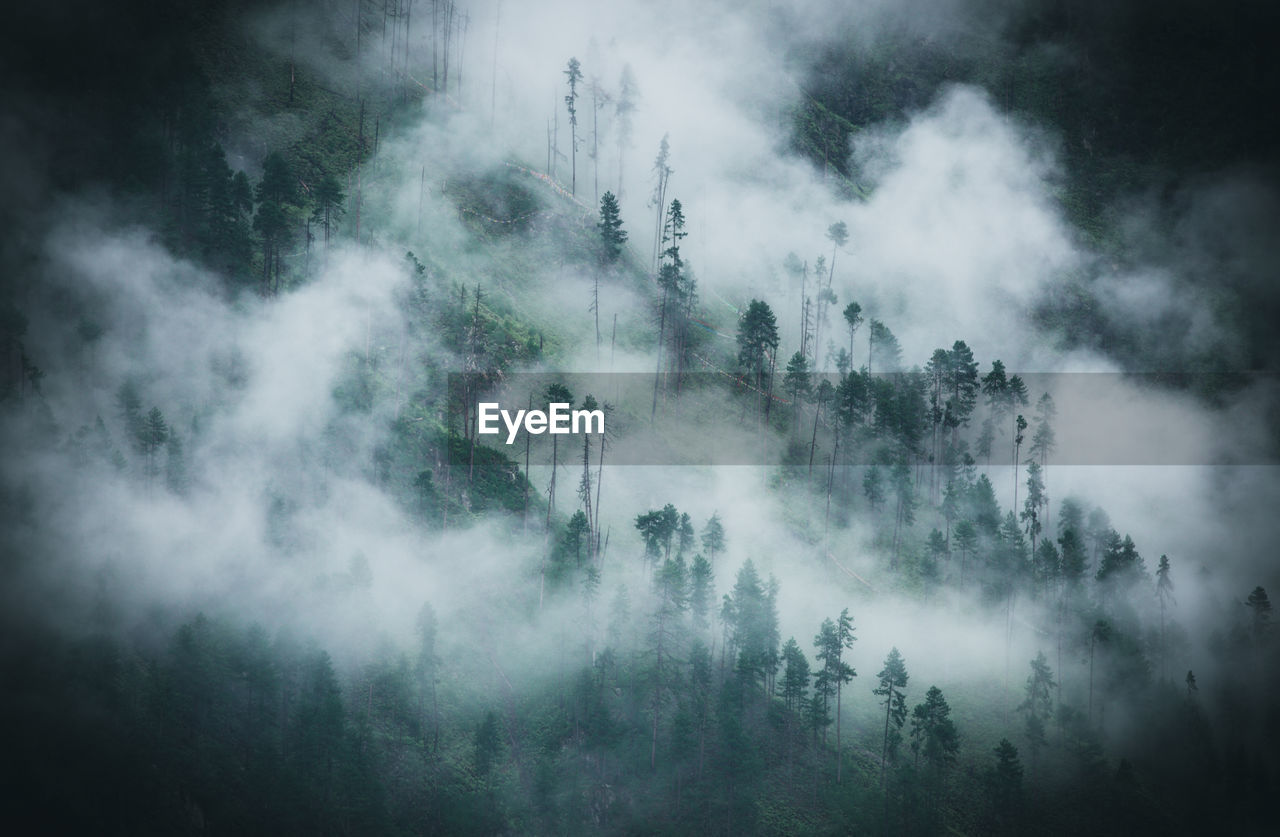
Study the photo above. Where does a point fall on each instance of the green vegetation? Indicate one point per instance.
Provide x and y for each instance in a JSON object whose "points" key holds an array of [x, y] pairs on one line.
{"points": [[620, 679]]}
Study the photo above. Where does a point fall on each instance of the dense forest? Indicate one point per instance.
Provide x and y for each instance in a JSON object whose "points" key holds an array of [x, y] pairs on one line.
{"points": [[935, 344]]}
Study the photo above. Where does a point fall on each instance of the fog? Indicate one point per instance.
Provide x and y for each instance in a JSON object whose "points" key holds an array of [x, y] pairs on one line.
{"points": [[960, 237]]}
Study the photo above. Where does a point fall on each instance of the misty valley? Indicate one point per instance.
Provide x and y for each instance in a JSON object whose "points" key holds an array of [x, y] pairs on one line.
{"points": [[471, 417]]}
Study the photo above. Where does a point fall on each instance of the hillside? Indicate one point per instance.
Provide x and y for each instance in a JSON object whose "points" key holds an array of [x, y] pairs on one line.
{"points": [[933, 352]]}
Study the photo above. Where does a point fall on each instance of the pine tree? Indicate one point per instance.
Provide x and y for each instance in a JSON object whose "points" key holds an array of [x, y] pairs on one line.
{"points": [[893, 684], [624, 106], [276, 194], [574, 74], [684, 534], [795, 676], [936, 553], [672, 599], [905, 505], [827, 644], [753, 620], [1260, 608], [701, 590], [1121, 567], [584, 483], [1037, 708], [1019, 425], [590, 592], [846, 672], [797, 383], [966, 543], [657, 528], [934, 737], [613, 237], [838, 235], [713, 542], [817, 715], [328, 206], [556, 394], [883, 353], [873, 487], [1034, 503], [671, 281], [662, 172], [575, 530], [175, 469], [852, 318], [426, 669], [757, 342], [1043, 440], [1164, 592], [824, 395], [833, 639], [619, 627], [154, 433], [1004, 783], [963, 385]]}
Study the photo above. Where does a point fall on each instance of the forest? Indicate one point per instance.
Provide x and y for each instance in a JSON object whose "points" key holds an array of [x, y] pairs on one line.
{"points": [[936, 353]]}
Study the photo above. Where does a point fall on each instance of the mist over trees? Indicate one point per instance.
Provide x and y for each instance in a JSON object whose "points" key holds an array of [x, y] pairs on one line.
{"points": [[263, 574]]}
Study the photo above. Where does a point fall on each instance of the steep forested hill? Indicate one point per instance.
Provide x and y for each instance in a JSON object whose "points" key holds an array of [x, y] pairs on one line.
{"points": [[260, 571]]}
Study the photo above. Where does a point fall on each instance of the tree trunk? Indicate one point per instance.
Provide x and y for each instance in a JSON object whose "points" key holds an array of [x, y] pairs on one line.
{"points": [[662, 330], [839, 759], [813, 443]]}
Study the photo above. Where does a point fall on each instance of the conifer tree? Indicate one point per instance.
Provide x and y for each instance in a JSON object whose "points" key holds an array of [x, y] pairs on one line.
{"points": [[797, 384], [672, 598], [905, 498], [751, 611], [757, 345], [795, 675], [684, 534], [873, 487], [328, 206], [884, 354], [1043, 439], [612, 236], [713, 542], [662, 172], [966, 543], [657, 528], [963, 386], [838, 235], [573, 73], [154, 433], [556, 394], [701, 591], [833, 639], [1164, 592], [276, 194], [893, 684], [852, 318], [1260, 609], [624, 106], [824, 395], [1033, 504], [671, 281], [1004, 782], [934, 737], [175, 474], [1037, 707]]}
